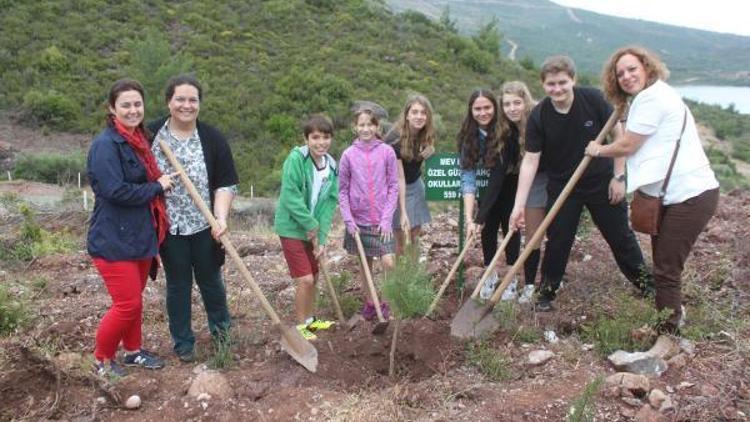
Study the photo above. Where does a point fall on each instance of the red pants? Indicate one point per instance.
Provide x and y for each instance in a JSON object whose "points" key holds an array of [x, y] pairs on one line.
{"points": [[125, 281]]}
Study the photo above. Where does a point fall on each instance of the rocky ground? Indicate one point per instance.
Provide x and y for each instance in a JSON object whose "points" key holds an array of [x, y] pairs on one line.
{"points": [[45, 364]]}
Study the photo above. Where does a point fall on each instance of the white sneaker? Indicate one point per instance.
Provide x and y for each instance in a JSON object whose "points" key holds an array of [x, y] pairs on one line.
{"points": [[489, 286], [511, 291], [527, 294]]}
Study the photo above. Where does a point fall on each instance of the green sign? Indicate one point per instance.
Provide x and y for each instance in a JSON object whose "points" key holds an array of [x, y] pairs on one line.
{"points": [[442, 178]]}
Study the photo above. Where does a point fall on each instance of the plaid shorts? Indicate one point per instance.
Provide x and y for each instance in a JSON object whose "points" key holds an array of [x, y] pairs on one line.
{"points": [[371, 242]]}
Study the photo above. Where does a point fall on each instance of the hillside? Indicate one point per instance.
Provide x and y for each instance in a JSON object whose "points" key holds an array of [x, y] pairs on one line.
{"points": [[540, 28], [265, 65]]}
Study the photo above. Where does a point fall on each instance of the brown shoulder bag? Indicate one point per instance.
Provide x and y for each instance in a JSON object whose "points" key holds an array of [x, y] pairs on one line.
{"points": [[646, 210]]}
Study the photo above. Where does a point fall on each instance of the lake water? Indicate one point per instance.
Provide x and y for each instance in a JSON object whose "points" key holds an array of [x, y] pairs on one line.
{"points": [[721, 95]]}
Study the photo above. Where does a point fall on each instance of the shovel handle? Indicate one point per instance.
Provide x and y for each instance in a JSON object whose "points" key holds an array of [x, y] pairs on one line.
{"points": [[331, 290], [450, 275], [542, 229], [368, 277], [228, 246], [491, 266]]}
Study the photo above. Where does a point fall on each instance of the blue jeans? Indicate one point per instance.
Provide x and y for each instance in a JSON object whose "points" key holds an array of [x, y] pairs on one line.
{"points": [[183, 256]]}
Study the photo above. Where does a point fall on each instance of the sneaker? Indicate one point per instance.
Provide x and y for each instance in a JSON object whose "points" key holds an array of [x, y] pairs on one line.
{"points": [[306, 334], [511, 291], [489, 286], [319, 324], [187, 357], [109, 370], [543, 304], [144, 359], [527, 294], [368, 311]]}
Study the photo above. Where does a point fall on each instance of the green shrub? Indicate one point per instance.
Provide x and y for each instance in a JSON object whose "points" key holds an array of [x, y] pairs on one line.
{"points": [[610, 329], [50, 108], [34, 241], [13, 311], [408, 288], [50, 168], [222, 352], [52, 59]]}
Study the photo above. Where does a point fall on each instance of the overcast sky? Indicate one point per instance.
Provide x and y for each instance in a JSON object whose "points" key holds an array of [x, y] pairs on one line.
{"points": [[731, 16]]}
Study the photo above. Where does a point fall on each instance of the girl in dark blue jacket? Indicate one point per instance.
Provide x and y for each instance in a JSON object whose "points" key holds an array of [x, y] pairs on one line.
{"points": [[128, 222]]}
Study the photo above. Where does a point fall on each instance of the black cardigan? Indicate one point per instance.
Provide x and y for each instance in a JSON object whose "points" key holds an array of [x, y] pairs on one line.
{"points": [[218, 157], [508, 160]]}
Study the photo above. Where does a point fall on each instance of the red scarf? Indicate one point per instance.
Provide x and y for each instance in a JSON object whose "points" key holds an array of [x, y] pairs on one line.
{"points": [[137, 140]]}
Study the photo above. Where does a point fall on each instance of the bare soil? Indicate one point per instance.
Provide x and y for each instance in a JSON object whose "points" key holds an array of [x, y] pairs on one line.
{"points": [[45, 367]]}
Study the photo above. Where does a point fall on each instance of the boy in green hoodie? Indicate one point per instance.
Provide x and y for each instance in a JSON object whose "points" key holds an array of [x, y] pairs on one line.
{"points": [[309, 194]]}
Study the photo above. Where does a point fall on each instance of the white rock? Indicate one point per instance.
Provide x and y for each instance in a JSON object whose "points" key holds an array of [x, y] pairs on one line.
{"points": [[656, 398], [635, 384], [538, 357], [637, 362], [550, 336], [203, 396], [133, 402]]}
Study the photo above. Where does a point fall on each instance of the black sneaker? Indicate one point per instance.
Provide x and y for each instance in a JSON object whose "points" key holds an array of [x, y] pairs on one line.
{"points": [[543, 304], [143, 359], [187, 357]]}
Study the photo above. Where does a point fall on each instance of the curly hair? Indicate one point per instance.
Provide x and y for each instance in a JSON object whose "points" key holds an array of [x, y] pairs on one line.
{"points": [[467, 140], [654, 67], [519, 89], [412, 143]]}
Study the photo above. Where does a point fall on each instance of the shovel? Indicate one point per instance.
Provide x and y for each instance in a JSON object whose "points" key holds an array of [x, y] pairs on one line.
{"points": [[463, 322], [291, 340], [450, 275], [382, 324], [476, 319], [331, 291]]}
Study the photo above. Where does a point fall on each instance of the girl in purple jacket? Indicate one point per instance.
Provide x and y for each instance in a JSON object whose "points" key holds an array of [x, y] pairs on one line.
{"points": [[368, 191]]}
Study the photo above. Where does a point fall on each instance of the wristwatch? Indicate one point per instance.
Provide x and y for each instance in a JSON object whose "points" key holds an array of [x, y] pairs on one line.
{"points": [[620, 178]]}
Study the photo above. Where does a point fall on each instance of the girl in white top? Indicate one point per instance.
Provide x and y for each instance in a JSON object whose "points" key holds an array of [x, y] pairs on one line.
{"points": [[655, 123]]}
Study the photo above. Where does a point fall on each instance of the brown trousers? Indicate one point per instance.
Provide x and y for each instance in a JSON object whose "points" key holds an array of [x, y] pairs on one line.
{"points": [[680, 226]]}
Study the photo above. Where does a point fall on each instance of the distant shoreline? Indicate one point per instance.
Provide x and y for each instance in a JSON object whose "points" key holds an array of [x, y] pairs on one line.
{"points": [[718, 95]]}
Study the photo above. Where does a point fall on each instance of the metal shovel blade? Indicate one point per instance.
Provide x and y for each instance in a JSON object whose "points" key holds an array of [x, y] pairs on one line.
{"points": [[473, 319], [298, 348], [380, 327]]}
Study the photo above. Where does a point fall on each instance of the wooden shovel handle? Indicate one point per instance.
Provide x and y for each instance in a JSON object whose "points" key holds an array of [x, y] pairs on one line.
{"points": [[491, 267], [228, 246], [368, 277], [451, 273], [331, 290], [555, 208]]}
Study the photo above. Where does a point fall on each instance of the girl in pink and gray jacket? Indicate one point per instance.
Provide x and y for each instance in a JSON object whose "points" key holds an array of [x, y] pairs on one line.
{"points": [[368, 192]]}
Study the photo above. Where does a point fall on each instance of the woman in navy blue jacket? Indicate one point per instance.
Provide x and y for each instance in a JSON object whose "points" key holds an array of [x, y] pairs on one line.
{"points": [[128, 223]]}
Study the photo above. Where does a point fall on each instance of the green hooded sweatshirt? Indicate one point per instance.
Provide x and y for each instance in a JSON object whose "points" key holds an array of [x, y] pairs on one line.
{"points": [[294, 218]]}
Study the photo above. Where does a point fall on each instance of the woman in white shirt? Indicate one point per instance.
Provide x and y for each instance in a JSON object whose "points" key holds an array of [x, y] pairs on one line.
{"points": [[656, 120]]}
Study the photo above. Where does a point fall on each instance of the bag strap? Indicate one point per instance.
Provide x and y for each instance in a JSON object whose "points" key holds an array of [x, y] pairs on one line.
{"points": [[674, 158]]}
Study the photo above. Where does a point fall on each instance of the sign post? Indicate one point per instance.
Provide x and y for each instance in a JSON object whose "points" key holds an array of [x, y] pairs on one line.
{"points": [[443, 183]]}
